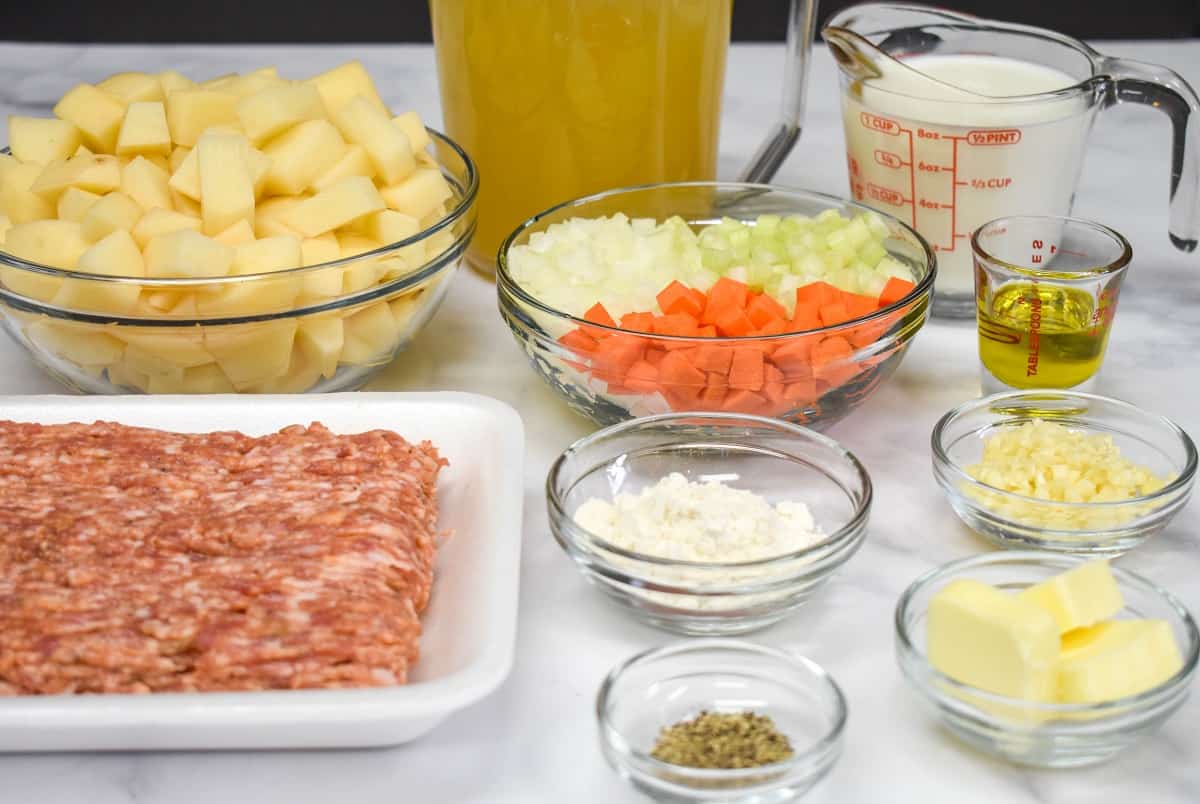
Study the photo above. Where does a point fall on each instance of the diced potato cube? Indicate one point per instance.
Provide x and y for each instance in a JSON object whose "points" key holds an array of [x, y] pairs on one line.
{"points": [[85, 345], [277, 109], [351, 244], [226, 186], [178, 154], [410, 123], [5, 225], [113, 211], [251, 84], [152, 366], [252, 353], [321, 338], [186, 253], [95, 113], [96, 174], [121, 375], [181, 203], [405, 308], [268, 216], [335, 206], [317, 250], [160, 221], [146, 183], [268, 254], [41, 139], [360, 276], [387, 147], [116, 255], [183, 347], [74, 203], [19, 203], [301, 154], [133, 87], [370, 335], [388, 226], [191, 111], [240, 232], [302, 374], [173, 81], [418, 195], [83, 150], [341, 84], [28, 283], [185, 178], [47, 242], [144, 130], [353, 162], [252, 297], [206, 379]]}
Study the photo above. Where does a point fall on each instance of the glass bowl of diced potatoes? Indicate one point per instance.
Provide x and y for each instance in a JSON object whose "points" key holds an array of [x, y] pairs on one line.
{"points": [[248, 234], [1062, 470], [1104, 686]]}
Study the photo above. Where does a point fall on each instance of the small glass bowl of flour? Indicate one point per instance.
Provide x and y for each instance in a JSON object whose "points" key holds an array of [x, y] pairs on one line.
{"points": [[708, 523]]}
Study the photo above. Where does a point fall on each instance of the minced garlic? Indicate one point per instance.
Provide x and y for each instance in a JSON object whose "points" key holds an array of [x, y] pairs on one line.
{"points": [[1049, 461]]}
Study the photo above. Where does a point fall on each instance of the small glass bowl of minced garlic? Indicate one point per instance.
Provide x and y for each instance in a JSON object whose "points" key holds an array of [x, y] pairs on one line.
{"points": [[711, 720]]}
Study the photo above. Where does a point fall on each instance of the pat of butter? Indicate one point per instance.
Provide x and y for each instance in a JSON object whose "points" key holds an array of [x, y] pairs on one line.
{"points": [[1078, 597], [982, 636], [1115, 659]]}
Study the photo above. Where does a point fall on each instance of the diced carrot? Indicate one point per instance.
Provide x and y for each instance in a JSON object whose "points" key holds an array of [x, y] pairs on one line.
{"points": [[858, 305], [597, 314], [895, 290], [677, 298], [773, 391], [733, 322], [654, 355], [743, 402], [794, 357], [728, 292], [578, 341], [614, 356], [683, 397], [716, 379], [772, 373], [820, 293], [676, 324], [706, 331], [776, 326], [746, 369], [713, 358], [700, 296], [642, 378], [807, 315], [831, 360], [711, 397], [865, 334], [801, 392], [833, 314], [764, 310], [675, 373], [638, 322]]}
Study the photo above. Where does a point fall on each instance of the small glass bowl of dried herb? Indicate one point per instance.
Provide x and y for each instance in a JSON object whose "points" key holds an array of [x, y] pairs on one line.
{"points": [[720, 720]]}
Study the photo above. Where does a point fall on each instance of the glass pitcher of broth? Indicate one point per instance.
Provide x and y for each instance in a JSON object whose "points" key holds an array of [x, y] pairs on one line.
{"points": [[556, 99]]}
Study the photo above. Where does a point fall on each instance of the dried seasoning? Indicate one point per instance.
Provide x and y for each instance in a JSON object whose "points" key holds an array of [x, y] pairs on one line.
{"points": [[722, 740]]}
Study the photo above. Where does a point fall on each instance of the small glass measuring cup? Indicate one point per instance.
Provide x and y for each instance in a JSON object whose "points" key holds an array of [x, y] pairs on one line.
{"points": [[1045, 294], [953, 120]]}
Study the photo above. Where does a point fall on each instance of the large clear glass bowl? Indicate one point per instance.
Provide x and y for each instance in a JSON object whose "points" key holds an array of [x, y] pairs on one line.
{"points": [[327, 327], [1031, 733], [878, 340]]}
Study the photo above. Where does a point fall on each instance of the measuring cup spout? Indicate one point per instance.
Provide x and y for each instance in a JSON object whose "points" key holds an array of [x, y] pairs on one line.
{"points": [[1163, 89]]}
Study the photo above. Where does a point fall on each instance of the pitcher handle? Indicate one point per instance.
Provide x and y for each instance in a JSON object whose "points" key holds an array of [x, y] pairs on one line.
{"points": [[1165, 90], [801, 29]]}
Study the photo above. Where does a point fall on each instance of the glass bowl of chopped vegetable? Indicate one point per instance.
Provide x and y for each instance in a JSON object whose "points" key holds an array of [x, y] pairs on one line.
{"points": [[714, 296], [708, 523], [720, 720], [1101, 656], [1062, 470]]}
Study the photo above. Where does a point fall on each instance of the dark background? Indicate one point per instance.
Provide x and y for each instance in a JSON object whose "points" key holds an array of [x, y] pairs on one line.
{"points": [[408, 20]]}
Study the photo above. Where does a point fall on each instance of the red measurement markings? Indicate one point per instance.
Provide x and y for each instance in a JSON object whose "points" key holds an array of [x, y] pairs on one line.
{"points": [[889, 159], [999, 136], [883, 125], [886, 195]]}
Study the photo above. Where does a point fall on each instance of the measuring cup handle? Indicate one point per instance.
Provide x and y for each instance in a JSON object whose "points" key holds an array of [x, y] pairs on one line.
{"points": [[1165, 90], [802, 26]]}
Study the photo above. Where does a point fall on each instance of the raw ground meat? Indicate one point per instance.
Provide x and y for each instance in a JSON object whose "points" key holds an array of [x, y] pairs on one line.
{"points": [[138, 560]]}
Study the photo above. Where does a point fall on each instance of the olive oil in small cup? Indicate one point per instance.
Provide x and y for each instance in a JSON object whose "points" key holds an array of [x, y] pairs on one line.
{"points": [[1045, 291]]}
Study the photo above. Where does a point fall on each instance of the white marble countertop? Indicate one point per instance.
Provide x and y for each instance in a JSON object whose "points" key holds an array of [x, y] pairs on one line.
{"points": [[535, 739]]}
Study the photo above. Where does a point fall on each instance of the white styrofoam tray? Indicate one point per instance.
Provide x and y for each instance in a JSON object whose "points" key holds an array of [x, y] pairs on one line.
{"points": [[469, 626]]}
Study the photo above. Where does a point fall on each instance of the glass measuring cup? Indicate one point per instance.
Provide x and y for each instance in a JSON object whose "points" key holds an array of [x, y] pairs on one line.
{"points": [[1045, 293], [558, 100], [953, 120]]}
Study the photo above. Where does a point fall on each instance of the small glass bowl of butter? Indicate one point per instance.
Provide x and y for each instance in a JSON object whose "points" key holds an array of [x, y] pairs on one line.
{"points": [[1119, 474], [1037, 733], [781, 463]]}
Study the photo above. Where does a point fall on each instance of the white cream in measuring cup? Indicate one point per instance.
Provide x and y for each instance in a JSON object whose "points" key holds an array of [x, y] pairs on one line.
{"points": [[953, 120], [947, 161]]}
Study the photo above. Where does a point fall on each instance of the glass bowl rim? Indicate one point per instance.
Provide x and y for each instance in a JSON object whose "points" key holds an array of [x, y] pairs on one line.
{"points": [[431, 267], [950, 570], [828, 687], [921, 289], [838, 538], [1113, 266], [942, 458]]}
